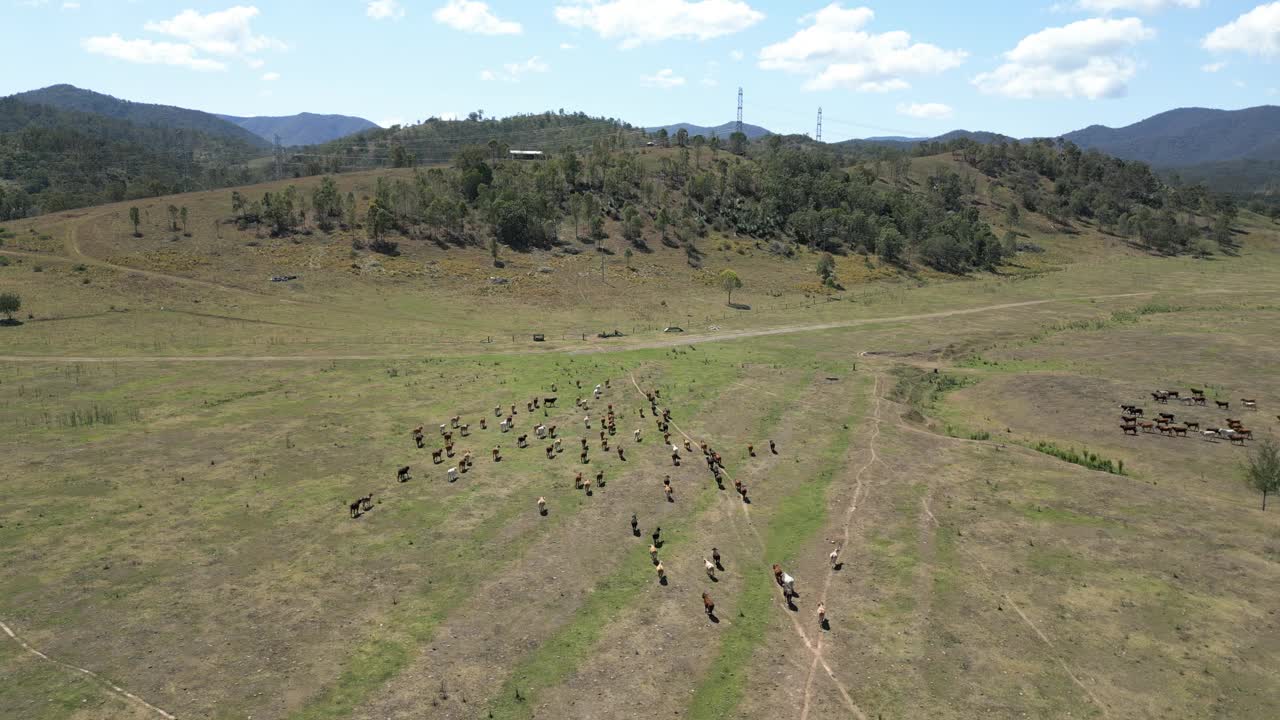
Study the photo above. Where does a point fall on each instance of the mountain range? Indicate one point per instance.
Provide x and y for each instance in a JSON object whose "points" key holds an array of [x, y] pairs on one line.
{"points": [[1228, 150], [723, 131], [301, 129]]}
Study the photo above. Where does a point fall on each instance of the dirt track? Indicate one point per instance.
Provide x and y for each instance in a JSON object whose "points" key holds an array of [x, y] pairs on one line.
{"points": [[655, 344]]}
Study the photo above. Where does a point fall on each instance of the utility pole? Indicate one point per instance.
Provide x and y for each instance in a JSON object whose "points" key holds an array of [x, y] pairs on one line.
{"points": [[818, 137], [738, 127]]}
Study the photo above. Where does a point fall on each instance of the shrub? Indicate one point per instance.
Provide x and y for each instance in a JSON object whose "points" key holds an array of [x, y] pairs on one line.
{"points": [[384, 246], [1084, 458]]}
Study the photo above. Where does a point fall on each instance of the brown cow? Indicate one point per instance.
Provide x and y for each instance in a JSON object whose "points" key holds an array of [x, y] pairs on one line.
{"points": [[1129, 428], [436, 458], [708, 605]]}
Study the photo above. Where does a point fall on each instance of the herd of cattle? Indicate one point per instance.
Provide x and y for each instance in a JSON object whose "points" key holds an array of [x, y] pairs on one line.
{"points": [[549, 434], [1133, 418]]}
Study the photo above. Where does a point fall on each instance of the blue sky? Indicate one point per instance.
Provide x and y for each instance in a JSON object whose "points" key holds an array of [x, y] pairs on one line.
{"points": [[876, 68]]}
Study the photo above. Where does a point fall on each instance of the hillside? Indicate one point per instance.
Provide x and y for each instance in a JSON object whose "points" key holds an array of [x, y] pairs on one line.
{"points": [[69, 97], [723, 131], [53, 159], [303, 128]]}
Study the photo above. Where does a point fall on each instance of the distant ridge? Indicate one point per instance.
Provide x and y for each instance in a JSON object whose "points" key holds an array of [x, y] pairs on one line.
{"points": [[1190, 136], [303, 128], [753, 132], [69, 97]]}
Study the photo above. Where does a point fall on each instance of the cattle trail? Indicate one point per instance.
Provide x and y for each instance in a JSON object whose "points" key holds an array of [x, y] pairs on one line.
{"points": [[991, 583], [859, 491], [115, 688], [804, 637]]}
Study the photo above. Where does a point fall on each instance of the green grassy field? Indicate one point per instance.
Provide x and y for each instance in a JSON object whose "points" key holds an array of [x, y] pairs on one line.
{"points": [[182, 437]]}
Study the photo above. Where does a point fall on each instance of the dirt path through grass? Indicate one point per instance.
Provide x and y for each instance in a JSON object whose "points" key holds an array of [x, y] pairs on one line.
{"points": [[74, 668], [654, 345]]}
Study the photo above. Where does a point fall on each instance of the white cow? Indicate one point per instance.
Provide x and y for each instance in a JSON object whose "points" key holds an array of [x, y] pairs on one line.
{"points": [[453, 474]]}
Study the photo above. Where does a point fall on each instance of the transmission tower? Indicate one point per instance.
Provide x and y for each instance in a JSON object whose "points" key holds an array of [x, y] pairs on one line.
{"points": [[738, 127], [818, 137]]}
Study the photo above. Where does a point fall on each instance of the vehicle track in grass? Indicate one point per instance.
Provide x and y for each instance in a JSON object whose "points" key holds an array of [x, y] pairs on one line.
{"points": [[665, 343]]}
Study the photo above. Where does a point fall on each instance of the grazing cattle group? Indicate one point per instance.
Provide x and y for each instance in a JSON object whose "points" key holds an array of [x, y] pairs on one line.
{"points": [[662, 418], [1132, 418]]}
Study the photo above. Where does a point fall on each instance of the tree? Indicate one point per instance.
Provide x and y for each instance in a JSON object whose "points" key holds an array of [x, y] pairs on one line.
{"points": [[729, 281], [136, 219], [1262, 471], [10, 303], [182, 213], [738, 143], [715, 144], [173, 218], [698, 143], [663, 220], [682, 137], [663, 139], [632, 226], [889, 244], [571, 166], [1012, 214], [827, 269], [379, 219], [628, 254]]}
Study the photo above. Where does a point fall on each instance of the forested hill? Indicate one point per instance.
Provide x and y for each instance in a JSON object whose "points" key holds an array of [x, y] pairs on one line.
{"points": [[303, 128], [438, 141], [1066, 184], [69, 97], [1190, 136], [53, 159], [909, 213]]}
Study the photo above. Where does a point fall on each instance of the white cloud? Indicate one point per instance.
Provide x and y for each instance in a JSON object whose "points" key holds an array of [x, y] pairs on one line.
{"points": [[567, 46], [1238, 83], [836, 52], [255, 63], [712, 76], [384, 10], [271, 76], [70, 6], [512, 72], [1084, 59], [636, 22], [149, 52], [1256, 32], [736, 55], [226, 32], [1138, 6], [926, 111], [474, 17], [1213, 67], [665, 78]]}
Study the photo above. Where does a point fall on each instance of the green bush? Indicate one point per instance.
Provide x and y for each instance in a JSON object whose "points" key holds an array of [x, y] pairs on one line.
{"points": [[1084, 458]]}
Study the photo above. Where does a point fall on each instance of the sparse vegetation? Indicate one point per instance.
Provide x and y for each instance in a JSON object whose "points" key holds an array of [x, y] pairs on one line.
{"points": [[1083, 458]]}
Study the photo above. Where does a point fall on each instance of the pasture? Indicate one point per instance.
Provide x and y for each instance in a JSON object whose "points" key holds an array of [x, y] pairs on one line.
{"points": [[177, 474]]}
